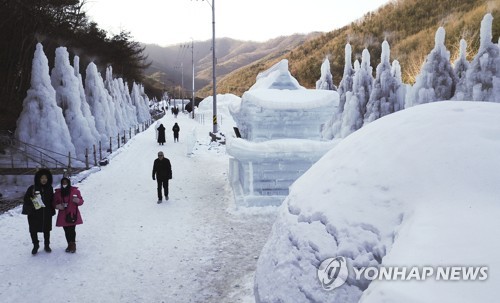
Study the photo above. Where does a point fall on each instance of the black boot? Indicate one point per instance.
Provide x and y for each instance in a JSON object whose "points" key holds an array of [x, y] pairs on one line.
{"points": [[36, 246], [46, 238]]}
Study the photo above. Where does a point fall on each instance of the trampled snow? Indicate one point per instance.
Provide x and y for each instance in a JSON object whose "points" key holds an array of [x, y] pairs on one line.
{"points": [[197, 247], [415, 188]]}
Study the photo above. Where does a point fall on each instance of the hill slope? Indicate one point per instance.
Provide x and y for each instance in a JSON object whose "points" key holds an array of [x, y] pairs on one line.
{"points": [[408, 25], [170, 63]]}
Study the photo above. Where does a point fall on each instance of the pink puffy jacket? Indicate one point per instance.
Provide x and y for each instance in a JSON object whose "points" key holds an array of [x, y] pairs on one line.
{"points": [[72, 206]]}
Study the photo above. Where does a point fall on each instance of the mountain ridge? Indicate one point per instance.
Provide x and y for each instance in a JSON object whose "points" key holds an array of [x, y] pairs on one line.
{"points": [[408, 25], [169, 63]]}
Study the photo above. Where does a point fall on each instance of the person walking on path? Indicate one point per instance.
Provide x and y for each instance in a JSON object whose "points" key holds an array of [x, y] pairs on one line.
{"points": [[176, 129], [162, 172], [38, 206], [161, 134], [67, 199]]}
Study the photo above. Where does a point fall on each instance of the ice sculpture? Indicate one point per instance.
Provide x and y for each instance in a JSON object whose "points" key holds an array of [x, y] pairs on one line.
{"points": [[280, 124]]}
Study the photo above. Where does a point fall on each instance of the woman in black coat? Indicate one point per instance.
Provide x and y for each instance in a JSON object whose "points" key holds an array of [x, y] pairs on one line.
{"points": [[40, 220], [161, 134]]}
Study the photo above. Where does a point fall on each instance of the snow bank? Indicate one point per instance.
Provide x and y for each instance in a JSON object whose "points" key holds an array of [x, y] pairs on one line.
{"points": [[415, 188]]}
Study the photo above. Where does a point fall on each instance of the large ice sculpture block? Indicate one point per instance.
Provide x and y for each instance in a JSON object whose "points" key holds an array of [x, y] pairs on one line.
{"points": [[267, 114], [280, 123], [261, 172]]}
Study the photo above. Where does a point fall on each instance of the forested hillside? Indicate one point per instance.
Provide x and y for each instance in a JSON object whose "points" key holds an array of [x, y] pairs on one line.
{"points": [[55, 23], [408, 25], [168, 64]]}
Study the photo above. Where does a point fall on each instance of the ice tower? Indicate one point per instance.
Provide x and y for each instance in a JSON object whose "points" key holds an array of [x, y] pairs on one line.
{"points": [[280, 124]]}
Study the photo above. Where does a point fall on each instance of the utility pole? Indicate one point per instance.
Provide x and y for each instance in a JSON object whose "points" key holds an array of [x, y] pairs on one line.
{"points": [[192, 63], [182, 85], [215, 128], [214, 61]]}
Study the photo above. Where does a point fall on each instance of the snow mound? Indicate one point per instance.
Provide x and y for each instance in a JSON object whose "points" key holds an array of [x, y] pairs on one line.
{"points": [[415, 188]]}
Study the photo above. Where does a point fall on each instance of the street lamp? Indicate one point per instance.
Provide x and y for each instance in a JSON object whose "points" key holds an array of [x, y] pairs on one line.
{"points": [[214, 117]]}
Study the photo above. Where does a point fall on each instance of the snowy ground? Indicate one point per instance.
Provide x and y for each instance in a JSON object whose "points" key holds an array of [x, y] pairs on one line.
{"points": [[197, 247]]}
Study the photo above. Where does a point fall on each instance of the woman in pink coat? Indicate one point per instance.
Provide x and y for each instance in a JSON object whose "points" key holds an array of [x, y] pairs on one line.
{"points": [[67, 199]]}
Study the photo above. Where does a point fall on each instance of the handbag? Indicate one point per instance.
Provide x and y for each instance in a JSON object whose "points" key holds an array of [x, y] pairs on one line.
{"points": [[71, 218]]}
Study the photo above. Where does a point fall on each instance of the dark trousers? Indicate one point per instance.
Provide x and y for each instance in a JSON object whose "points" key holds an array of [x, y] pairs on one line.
{"points": [[46, 237], [70, 233], [161, 183]]}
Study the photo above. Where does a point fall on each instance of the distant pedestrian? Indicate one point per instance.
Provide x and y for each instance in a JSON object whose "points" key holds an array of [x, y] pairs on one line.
{"points": [[162, 172], [176, 129], [67, 199], [38, 206], [161, 134]]}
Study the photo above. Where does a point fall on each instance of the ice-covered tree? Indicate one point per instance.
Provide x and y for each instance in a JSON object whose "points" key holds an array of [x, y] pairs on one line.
{"points": [[460, 68], [144, 104], [137, 95], [325, 82], [130, 110], [355, 107], [483, 75], [147, 103], [116, 107], [400, 86], [65, 83], [347, 78], [384, 96], [100, 100], [332, 127], [84, 105], [41, 122], [437, 80]]}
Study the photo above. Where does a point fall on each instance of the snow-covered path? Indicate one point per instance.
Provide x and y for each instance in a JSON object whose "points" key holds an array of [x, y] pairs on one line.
{"points": [[194, 248]]}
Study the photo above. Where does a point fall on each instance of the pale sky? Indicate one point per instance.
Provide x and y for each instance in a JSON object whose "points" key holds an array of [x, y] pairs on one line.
{"points": [[167, 22]]}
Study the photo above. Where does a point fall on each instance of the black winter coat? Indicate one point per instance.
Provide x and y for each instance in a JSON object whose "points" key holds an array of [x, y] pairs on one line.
{"points": [[40, 220], [161, 134], [162, 169], [176, 129]]}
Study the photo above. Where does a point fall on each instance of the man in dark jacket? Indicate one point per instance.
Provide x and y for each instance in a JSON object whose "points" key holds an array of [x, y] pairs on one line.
{"points": [[162, 172], [176, 129]]}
